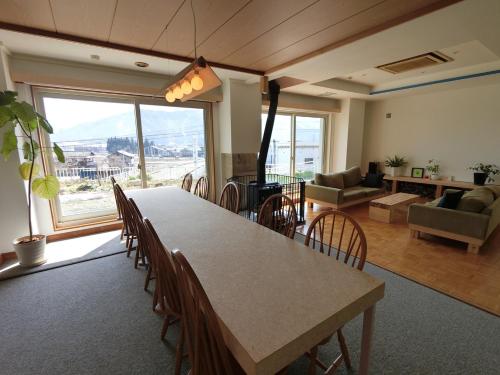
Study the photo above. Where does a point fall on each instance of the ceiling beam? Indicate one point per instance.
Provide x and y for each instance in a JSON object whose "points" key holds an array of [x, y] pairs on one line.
{"points": [[116, 46]]}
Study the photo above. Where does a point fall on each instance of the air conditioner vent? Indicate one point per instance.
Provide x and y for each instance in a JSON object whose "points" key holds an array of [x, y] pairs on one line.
{"points": [[416, 62]]}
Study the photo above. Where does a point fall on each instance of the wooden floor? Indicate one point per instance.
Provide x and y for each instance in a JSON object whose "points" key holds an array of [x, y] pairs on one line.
{"points": [[439, 263]]}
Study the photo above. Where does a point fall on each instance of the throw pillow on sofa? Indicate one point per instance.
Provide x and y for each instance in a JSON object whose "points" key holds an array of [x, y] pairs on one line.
{"points": [[476, 200], [450, 199], [374, 180], [352, 177]]}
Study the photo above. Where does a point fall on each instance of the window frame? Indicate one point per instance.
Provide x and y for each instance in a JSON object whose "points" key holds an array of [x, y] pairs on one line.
{"points": [[325, 133], [61, 222]]}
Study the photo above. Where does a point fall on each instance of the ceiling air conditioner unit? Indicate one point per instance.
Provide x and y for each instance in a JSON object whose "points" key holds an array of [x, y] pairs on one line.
{"points": [[417, 62]]}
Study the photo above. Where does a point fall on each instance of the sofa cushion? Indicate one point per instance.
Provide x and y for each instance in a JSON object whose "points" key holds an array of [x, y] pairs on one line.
{"points": [[450, 199], [354, 192], [334, 180], [476, 200], [352, 177]]}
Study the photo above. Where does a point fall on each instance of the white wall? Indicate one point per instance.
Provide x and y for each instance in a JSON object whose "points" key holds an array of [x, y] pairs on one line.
{"points": [[348, 133], [13, 202], [458, 127]]}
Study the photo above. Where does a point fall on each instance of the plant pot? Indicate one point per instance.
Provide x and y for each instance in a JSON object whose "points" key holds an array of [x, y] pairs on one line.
{"points": [[480, 178], [393, 171], [30, 253], [435, 177]]}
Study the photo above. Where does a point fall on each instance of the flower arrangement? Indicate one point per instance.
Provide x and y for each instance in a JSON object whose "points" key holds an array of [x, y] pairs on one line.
{"points": [[489, 170], [433, 168]]}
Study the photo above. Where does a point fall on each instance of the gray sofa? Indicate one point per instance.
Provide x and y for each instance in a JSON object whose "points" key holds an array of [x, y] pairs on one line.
{"points": [[475, 218], [340, 190]]}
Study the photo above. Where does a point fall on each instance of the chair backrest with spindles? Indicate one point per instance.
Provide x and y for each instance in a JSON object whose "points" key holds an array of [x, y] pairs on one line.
{"points": [[118, 208], [163, 266], [335, 233], [230, 197], [124, 208], [187, 182], [201, 188], [139, 228], [278, 213], [207, 351]]}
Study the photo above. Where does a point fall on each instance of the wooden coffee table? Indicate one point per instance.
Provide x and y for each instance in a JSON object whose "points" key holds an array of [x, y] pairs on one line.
{"points": [[392, 207]]}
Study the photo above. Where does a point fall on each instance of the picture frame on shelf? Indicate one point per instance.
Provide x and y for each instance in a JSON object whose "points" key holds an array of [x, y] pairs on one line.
{"points": [[417, 172]]}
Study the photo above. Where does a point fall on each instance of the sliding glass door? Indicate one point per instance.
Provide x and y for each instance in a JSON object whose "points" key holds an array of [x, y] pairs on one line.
{"points": [[141, 143], [296, 146]]}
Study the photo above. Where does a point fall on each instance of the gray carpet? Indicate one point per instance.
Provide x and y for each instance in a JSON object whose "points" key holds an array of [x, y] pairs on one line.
{"points": [[107, 249], [95, 318]]}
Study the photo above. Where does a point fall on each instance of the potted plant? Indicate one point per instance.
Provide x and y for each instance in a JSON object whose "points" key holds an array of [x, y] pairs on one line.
{"points": [[483, 172], [433, 168], [21, 117], [394, 165]]}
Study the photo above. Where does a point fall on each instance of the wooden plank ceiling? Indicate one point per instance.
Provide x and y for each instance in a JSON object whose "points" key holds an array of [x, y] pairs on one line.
{"points": [[261, 35]]}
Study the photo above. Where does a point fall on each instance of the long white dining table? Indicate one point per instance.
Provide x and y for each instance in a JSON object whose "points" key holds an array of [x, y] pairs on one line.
{"points": [[275, 298]]}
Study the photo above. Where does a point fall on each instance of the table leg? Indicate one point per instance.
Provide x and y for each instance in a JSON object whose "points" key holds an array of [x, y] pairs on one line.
{"points": [[439, 191], [366, 340], [394, 186]]}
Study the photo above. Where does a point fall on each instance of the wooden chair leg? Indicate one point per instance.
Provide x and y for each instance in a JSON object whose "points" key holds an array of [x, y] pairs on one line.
{"points": [[148, 277], [165, 326], [122, 232], [137, 255], [314, 358], [179, 351], [130, 245], [343, 349]]}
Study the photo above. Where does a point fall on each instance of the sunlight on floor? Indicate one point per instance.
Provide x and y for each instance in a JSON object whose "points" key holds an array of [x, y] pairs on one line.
{"points": [[70, 249]]}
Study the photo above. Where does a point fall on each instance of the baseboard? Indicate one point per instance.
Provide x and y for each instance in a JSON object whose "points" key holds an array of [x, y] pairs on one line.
{"points": [[59, 236]]}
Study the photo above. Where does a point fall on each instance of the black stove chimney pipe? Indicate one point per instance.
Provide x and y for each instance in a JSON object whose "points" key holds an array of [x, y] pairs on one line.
{"points": [[273, 93]]}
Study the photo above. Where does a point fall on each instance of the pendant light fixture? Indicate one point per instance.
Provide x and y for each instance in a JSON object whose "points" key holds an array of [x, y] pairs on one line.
{"points": [[196, 79]]}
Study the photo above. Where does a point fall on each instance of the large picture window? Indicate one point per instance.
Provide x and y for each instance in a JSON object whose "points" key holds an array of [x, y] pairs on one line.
{"points": [[141, 143], [296, 146]]}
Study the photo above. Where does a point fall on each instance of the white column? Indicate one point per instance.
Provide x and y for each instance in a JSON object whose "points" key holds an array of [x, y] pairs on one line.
{"points": [[13, 203]]}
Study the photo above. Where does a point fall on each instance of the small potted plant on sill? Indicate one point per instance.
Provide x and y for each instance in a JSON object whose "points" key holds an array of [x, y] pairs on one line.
{"points": [[433, 168], [393, 165], [21, 116], [483, 172]]}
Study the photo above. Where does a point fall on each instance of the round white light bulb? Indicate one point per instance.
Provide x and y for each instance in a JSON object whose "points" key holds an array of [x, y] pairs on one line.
{"points": [[177, 92], [169, 96], [186, 87], [196, 82]]}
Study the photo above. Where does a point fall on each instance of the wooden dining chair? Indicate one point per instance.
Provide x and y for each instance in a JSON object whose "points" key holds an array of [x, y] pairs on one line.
{"points": [[207, 350], [337, 234], [126, 217], [230, 197], [278, 213], [135, 218], [167, 292], [187, 182], [142, 248], [201, 188], [118, 208]]}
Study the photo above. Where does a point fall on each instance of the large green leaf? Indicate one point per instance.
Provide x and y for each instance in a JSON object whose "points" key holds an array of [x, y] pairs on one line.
{"points": [[24, 170], [59, 153], [5, 115], [7, 97], [45, 187], [45, 124], [28, 152], [24, 112], [9, 143]]}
